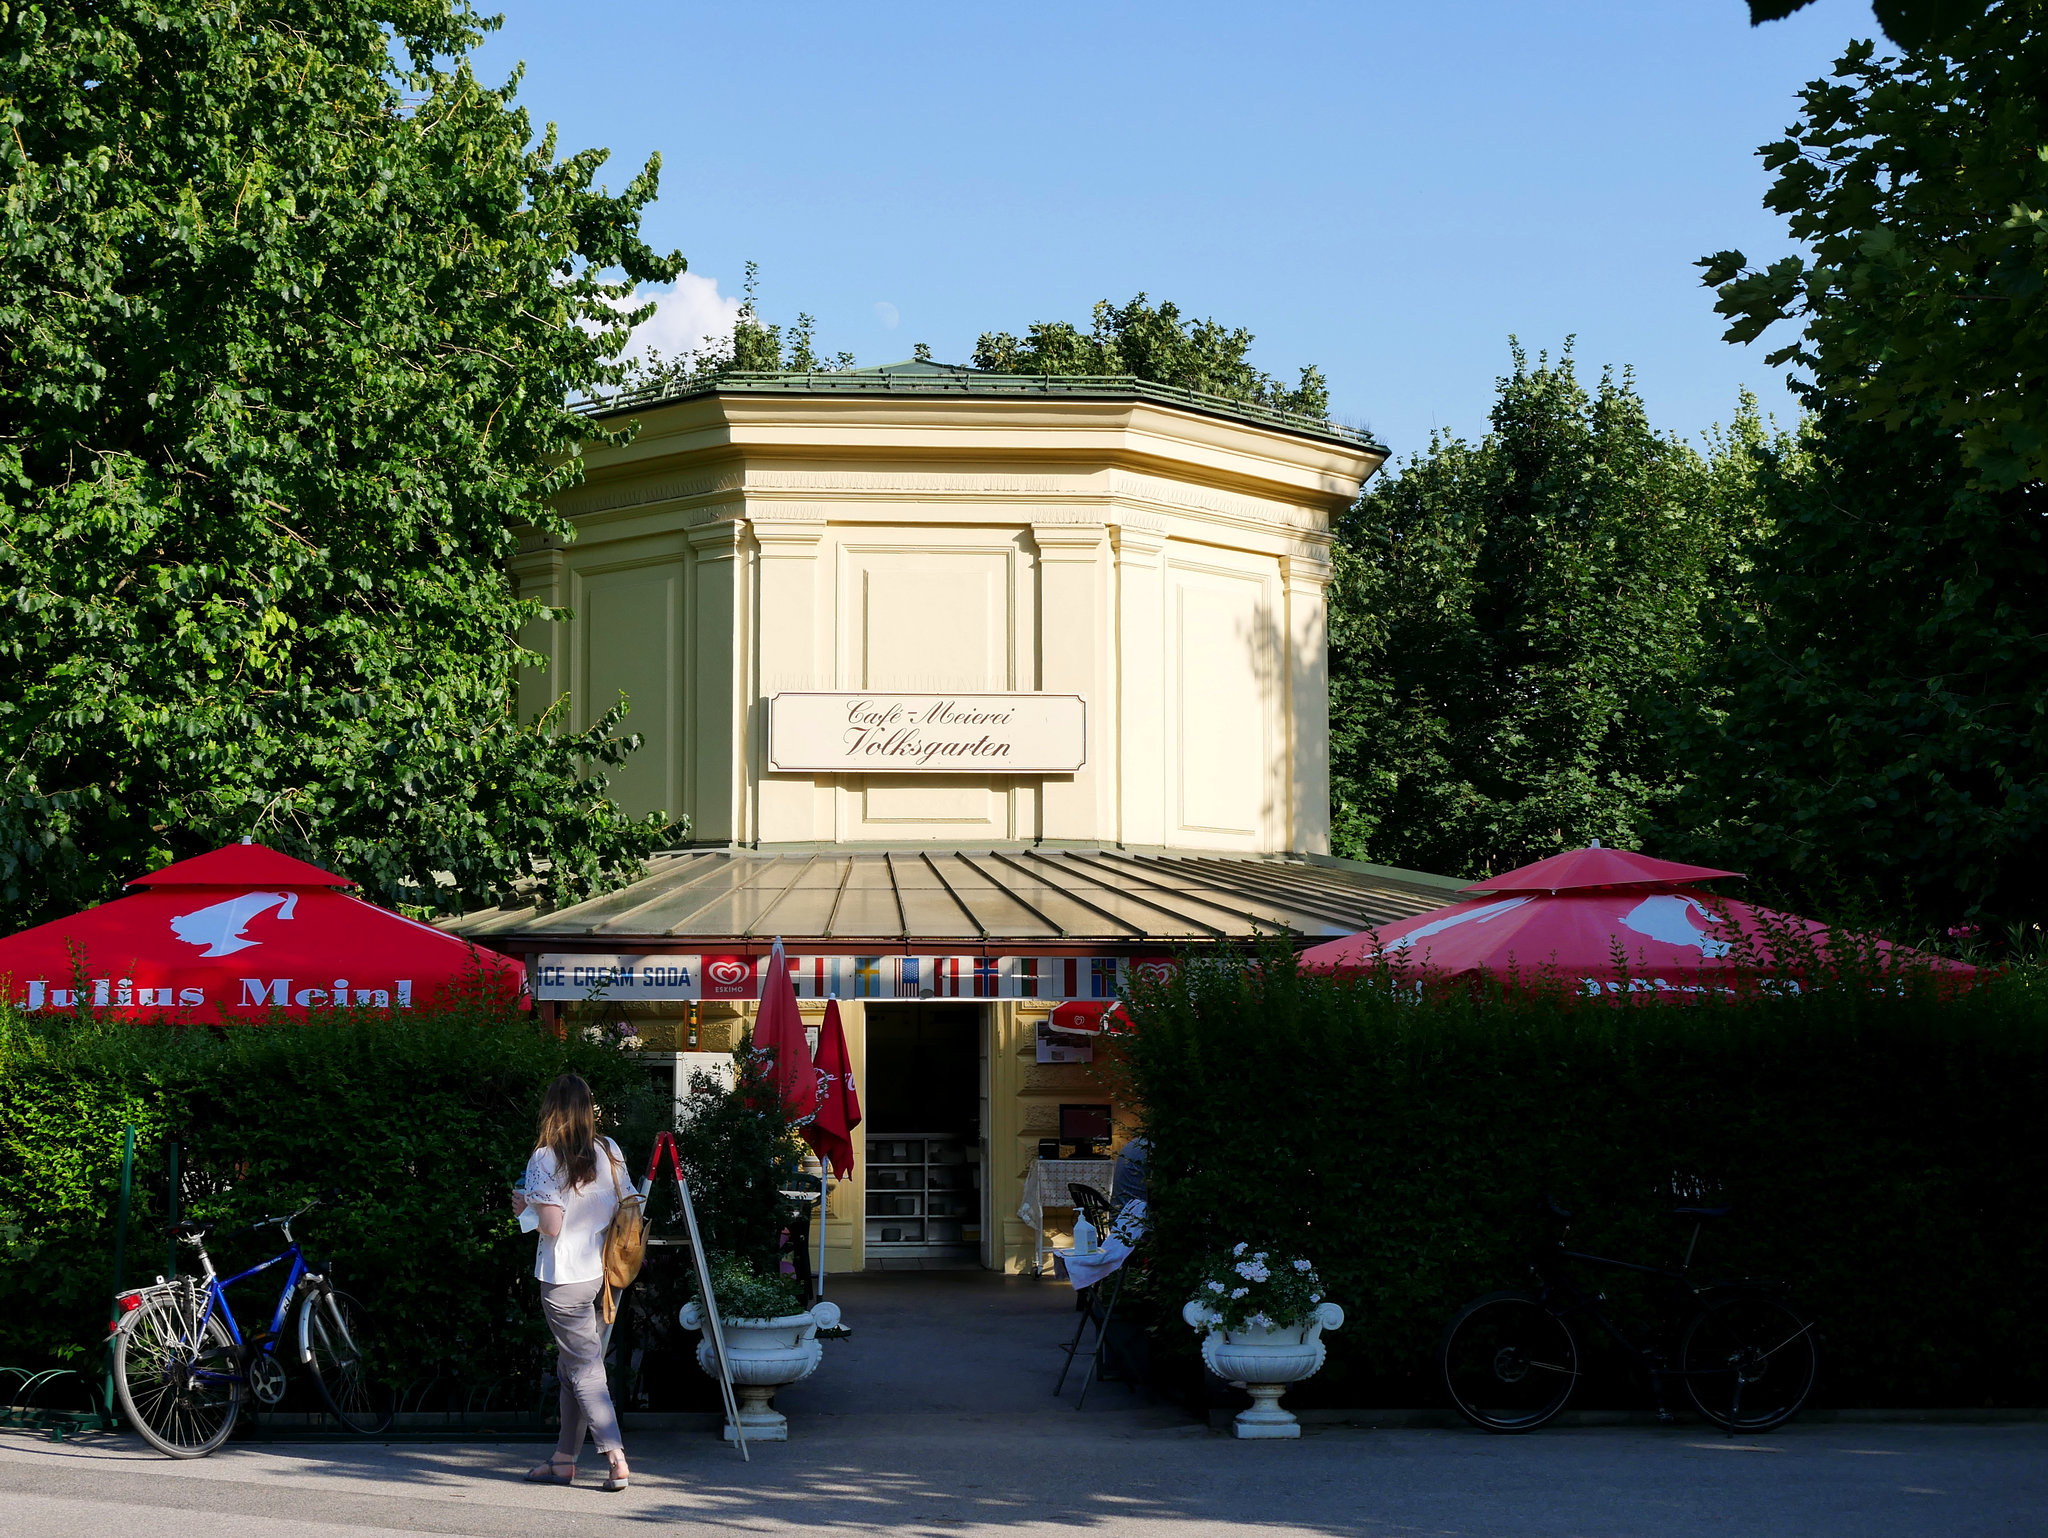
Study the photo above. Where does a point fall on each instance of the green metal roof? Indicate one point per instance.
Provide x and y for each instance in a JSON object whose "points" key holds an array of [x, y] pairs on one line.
{"points": [[920, 379], [1016, 895]]}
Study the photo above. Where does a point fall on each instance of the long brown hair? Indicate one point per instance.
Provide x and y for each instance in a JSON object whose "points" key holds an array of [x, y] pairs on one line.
{"points": [[568, 1129]]}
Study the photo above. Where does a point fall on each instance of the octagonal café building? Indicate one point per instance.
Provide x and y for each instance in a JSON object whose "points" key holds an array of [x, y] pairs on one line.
{"points": [[977, 690]]}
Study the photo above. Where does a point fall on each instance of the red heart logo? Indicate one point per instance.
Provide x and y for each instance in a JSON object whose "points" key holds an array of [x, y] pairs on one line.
{"points": [[727, 974], [1154, 971]]}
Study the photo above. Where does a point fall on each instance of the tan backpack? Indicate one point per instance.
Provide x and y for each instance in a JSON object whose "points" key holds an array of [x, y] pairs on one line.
{"points": [[625, 1238]]}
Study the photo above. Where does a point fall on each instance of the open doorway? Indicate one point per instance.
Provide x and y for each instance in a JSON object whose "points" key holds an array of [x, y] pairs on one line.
{"points": [[922, 1101]]}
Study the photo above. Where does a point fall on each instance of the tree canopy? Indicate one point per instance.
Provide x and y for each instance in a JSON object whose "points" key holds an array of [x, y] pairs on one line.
{"points": [[1888, 721], [1518, 626], [291, 305]]}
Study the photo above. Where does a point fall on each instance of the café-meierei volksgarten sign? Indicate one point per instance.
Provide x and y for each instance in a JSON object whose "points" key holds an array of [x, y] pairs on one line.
{"points": [[863, 732]]}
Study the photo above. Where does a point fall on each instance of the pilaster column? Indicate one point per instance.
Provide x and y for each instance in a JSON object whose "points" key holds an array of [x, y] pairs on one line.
{"points": [[540, 572], [1074, 658], [1306, 633], [715, 792], [1141, 684], [787, 644]]}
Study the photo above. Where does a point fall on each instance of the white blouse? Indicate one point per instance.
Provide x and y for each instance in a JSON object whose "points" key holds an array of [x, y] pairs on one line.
{"points": [[576, 1254]]}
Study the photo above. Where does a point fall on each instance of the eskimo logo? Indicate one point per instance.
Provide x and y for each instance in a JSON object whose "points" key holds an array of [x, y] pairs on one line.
{"points": [[727, 974], [218, 926]]}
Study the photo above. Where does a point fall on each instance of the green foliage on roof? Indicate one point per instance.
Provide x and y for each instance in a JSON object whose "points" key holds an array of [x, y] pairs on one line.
{"points": [[1152, 342]]}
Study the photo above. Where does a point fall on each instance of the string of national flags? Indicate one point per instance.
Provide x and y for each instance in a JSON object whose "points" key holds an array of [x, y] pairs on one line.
{"points": [[650, 979]]}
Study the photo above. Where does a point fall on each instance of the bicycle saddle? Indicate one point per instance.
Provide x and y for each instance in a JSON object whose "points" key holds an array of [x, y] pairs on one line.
{"points": [[189, 1230], [1701, 1213]]}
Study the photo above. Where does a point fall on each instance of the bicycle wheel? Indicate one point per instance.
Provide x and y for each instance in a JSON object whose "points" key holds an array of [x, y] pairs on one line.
{"points": [[332, 1344], [179, 1388], [1508, 1363], [1749, 1361]]}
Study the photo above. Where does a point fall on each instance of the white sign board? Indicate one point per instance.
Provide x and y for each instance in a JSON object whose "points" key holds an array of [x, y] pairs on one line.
{"points": [[863, 733]]}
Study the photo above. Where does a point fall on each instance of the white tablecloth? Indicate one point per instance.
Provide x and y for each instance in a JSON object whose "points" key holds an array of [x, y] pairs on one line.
{"points": [[1046, 1182], [1117, 1244]]}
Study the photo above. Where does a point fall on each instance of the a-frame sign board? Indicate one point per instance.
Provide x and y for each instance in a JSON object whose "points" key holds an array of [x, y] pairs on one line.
{"points": [[713, 1330]]}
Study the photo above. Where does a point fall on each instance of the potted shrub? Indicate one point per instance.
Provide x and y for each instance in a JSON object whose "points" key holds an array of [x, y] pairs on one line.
{"points": [[771, 1340], [1263, 1321]]}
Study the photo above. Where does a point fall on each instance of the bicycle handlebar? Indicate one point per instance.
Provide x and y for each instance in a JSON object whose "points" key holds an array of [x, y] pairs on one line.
{"points": [[260, 1224]]}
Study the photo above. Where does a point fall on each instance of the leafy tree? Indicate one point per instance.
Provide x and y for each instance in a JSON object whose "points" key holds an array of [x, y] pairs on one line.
{"points": [[290, 313], [1515, 625], [1889, 715], [1909, 23], [1152, 342]]}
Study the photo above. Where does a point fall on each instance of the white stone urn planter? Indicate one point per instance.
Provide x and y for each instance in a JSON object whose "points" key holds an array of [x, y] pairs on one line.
{"points": [[764, 1355], [1264, 1361]]}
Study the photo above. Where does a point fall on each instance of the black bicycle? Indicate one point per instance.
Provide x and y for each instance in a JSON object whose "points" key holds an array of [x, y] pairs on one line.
{"points": [[182, 1363], [1746, 1357]]}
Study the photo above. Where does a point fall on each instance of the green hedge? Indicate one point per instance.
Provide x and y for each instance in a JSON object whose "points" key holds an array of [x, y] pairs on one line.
{"points": [[421, 1122], [1884, 1150]]}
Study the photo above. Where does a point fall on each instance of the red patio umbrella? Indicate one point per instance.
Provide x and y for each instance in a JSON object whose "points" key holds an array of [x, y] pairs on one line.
{"points": [[830, 1133], [239, 932], [1609, 921], [779, 1028]]}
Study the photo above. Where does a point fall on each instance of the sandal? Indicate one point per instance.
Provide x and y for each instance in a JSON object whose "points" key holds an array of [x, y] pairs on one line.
{"points": [[617, 1474], [553, 1472]]}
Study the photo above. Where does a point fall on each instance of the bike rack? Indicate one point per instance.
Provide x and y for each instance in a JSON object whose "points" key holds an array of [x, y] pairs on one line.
{"points": [[20, 1412]]}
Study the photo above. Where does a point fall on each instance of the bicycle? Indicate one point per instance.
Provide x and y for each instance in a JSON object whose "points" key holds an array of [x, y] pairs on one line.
{"points": [[1748, 1360], [181, 1363]]}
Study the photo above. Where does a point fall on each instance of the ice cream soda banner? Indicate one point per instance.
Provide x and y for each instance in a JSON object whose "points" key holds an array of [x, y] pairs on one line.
{"points": [[655, 979]]}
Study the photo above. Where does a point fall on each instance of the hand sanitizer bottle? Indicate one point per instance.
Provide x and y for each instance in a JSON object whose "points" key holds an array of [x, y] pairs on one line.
{"points": [[1084, 1235]]}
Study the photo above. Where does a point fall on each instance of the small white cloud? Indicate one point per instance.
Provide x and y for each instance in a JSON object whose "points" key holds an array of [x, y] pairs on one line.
{"points": [[887, 314], [691, 318]]}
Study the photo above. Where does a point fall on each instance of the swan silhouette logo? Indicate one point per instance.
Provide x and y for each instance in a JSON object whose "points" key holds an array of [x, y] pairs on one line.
{"points": [[218, 926], [1669, 918]]}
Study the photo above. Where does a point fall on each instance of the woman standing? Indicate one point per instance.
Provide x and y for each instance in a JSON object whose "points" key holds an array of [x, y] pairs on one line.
{"points": [[573, 1199]]}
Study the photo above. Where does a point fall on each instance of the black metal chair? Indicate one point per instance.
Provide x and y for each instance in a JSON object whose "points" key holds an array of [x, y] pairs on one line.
{"points": [[1092, 1205]]}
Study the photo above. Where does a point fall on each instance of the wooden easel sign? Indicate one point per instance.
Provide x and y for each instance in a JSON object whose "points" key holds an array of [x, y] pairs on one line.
{"points": [[714, 1331]]}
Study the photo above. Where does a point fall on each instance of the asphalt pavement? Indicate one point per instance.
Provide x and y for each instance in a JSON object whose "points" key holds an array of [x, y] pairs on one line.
{"points": [[937, 1418]]}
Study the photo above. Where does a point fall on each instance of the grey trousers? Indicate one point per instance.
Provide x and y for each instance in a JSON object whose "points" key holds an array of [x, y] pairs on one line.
{"points": [[571, 1308]]}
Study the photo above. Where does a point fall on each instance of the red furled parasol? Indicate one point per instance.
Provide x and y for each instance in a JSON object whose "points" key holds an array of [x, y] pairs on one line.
{"points": [[779, 1029], [830, 1132], [241, 932], [1609, 921], [1088, 1018]]}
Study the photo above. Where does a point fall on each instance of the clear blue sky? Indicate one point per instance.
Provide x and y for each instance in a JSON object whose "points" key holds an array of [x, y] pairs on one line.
{"points": [[1387, 191]]}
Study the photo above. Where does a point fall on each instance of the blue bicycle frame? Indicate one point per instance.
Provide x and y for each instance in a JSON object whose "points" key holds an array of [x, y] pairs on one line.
{"points": [[217, 1298]]}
